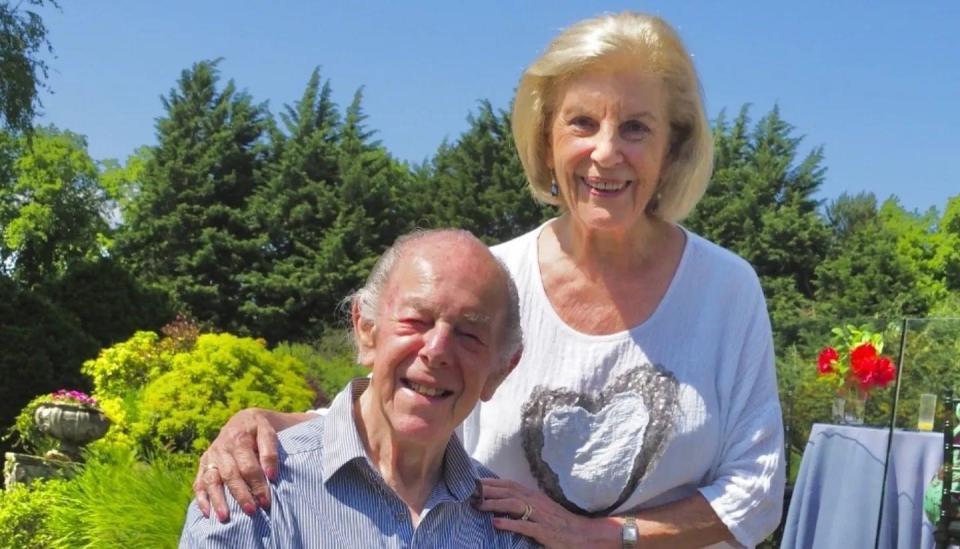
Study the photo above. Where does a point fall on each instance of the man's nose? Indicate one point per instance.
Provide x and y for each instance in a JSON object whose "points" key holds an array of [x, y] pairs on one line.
{"points": [[437, 344]]}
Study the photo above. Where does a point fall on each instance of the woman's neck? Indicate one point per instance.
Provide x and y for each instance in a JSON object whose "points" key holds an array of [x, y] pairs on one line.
{"points": [[411, 470], [621, 250]]}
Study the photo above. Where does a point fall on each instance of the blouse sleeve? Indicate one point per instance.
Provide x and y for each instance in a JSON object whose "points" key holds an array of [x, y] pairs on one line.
{"points": [[746, 487]]}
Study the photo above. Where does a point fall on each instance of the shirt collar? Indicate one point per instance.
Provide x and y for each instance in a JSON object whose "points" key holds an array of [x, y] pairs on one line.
{"points": [[342, 444]]}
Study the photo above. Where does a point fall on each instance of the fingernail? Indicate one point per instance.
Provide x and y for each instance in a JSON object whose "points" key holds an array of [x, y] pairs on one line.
{"points": [[271, 473], [222, 515], [249, 509], [263, 501]]}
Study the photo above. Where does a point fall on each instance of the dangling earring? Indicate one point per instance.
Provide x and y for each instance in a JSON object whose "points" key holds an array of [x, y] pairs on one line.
{"points": [[654, 203], [554, 189]]}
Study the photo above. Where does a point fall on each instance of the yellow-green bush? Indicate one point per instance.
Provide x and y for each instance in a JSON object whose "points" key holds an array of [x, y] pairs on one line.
{"points": [[174, 393], [184, 408], [25, 514]]}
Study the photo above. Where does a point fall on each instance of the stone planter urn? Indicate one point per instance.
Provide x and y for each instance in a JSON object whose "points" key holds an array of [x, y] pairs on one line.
{"points": [[74, 425]]}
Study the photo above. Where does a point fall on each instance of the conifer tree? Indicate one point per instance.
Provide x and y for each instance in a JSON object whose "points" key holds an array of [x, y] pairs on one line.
{"points": [[760, 204], [327, 212], [477, 183], [187, 230]]}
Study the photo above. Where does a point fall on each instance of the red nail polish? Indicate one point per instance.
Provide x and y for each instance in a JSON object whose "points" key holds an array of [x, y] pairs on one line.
{"points": [[249, 509], [264, 502]]}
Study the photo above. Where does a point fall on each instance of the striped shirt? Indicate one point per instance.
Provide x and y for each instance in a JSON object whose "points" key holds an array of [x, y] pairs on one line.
{"points": [[328, 494]]}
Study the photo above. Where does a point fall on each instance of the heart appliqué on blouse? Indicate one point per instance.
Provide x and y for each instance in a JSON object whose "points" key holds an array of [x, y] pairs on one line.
{"points": [[590, 453]]}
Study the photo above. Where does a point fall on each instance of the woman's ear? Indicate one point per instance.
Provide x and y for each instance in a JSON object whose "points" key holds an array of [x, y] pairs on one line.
{"points": [[364, 333]]}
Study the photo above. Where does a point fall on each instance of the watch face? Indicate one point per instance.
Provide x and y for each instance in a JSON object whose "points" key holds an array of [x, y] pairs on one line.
{"points": [[629, 534]]}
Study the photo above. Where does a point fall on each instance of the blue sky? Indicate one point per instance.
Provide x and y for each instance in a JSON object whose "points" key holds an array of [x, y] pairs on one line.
{"points": [[877, 84]]}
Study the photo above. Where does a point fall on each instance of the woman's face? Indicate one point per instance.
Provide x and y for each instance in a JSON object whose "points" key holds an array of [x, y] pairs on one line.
{"points": [[608, 146]]}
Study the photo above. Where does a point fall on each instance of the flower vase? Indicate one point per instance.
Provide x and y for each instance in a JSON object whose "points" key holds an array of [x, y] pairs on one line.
{"points": [[848, 407], [73, 425]]}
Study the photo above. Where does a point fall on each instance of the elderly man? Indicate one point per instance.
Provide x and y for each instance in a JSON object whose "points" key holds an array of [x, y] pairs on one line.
{"points": [[438, 324]]}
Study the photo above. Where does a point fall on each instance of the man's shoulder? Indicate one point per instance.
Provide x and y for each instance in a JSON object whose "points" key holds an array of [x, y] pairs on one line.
{"points": [[303, 437]]}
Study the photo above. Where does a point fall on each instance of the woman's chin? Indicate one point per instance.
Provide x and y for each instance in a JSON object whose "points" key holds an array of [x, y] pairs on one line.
{"points": [[606, 219]]}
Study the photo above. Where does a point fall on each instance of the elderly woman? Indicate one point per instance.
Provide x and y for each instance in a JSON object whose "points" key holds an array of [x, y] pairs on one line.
{"points": [[644, 411]]}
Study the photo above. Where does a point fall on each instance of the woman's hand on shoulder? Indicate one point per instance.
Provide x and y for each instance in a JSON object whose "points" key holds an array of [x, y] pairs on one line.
{"points": [[533, 514], [242, 457]]}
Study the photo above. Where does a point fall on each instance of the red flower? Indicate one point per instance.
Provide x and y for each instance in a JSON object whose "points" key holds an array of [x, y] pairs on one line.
{"points": [[862, 359], [884, 371], [826, 359]]}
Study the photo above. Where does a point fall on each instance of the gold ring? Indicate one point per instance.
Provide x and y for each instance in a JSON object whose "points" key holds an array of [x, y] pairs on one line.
{"points": [[527, 512]]}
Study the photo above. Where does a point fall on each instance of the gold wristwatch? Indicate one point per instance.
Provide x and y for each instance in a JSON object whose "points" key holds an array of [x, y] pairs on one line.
{"points": [[629, 534]]}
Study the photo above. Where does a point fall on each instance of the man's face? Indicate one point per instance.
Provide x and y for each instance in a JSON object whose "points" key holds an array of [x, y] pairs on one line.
{"points": [[435, 347]]}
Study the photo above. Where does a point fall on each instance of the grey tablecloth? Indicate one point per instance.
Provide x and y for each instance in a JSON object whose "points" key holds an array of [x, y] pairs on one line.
{"points": [[836, 499]]}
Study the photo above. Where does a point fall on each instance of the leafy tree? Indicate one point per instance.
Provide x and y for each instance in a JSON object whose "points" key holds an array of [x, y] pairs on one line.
{"points": [[51, 205], [186, 228], [478, 184], [868, 273], [948, 243], [23, 38], [760, 204]]}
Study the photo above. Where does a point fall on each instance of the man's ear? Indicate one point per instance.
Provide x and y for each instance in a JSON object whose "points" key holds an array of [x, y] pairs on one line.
{"points": [[364, 334], [497, 377]]}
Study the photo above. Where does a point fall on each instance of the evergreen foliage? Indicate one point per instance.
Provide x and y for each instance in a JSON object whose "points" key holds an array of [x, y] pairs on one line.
{"points": [[478, 184], [187, 229], [761, 205], [328, 208]]}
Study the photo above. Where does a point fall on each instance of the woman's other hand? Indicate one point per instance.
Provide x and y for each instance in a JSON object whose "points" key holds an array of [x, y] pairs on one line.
{"points": [[538, 517]]}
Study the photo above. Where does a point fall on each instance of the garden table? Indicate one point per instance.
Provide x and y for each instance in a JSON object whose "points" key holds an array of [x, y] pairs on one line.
{"points": [[837, 495]]}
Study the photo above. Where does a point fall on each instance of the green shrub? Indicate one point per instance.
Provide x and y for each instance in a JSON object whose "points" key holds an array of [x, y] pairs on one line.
{"points": [[329, 366], [183, 408], [25, 514], [25, 431], [117, 501]]}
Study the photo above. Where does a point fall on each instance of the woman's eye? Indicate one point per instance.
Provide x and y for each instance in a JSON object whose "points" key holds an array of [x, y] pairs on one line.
{"points": [[582, 122], [634, 129]]}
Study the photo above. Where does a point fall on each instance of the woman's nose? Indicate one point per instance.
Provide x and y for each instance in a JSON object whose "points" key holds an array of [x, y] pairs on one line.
{"points": [[606, 148]]}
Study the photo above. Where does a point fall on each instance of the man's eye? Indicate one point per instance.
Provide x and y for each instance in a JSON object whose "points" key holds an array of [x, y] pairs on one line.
{"points": [[473, 337], [414, 322]]}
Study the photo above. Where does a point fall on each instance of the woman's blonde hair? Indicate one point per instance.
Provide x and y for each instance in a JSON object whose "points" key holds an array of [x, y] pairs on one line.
{"points": [[643, 41]]}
